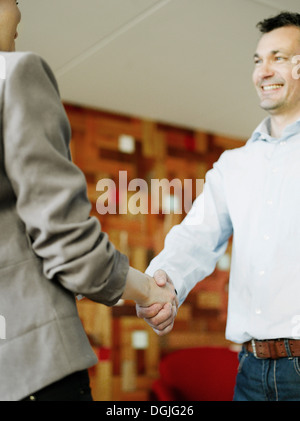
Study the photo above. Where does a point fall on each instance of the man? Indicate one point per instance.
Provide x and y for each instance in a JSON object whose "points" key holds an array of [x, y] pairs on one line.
{"points": [[253, 193]]}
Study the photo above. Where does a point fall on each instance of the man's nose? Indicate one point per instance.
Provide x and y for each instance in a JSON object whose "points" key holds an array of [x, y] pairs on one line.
{"points": [[265, 70]]}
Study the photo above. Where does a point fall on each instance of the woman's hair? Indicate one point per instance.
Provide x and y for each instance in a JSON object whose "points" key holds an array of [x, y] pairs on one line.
{"points": [[279, 21]]}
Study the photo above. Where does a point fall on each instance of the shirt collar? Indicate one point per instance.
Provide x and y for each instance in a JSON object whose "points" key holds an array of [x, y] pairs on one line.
{"points": [[262, 132]]}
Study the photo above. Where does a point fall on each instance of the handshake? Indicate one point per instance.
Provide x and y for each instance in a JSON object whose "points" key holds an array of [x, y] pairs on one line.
{"points": [[156, 299]]}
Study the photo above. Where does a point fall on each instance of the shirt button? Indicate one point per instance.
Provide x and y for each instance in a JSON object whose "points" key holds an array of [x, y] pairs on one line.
{"points": [[32, 398], [283, 142], [275, 170], [270, 202], [266, 237], [258, 311], [261, 273]]}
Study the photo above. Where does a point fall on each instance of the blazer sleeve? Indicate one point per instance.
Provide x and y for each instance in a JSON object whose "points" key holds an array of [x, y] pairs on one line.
{"points": [[50, 190]]}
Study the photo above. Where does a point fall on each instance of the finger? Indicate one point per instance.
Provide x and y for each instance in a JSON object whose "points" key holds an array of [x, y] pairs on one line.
{"points": [[161, 278], [165, 330], [166, 325], [163, 316], [148, 312], [167, 321], [161, 327]]}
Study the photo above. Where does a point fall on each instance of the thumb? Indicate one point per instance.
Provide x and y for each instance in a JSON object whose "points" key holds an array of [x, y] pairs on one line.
{"points": [[160, 277]]}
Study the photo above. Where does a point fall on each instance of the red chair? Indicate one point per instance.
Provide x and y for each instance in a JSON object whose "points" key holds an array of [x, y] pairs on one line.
{"points": [[197, 374]]}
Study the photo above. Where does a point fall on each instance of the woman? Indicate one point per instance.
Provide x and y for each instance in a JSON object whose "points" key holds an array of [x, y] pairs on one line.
{"points": [[50, 248]]}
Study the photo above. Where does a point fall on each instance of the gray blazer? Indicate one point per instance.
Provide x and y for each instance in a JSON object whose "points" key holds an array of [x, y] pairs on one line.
{"points": [[50, 248]]}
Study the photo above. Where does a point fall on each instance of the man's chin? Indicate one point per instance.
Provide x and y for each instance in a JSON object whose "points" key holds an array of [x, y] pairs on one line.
{"points": [[270, 106]]}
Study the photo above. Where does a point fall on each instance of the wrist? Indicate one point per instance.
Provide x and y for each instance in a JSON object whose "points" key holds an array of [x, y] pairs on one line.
{"points": [[137, 287]]}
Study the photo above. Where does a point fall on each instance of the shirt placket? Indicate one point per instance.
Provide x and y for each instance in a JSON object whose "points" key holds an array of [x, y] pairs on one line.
{"points": [[266, 234]]}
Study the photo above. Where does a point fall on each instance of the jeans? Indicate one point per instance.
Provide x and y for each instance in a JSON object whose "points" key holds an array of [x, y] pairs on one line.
{"points": [[267, 380], [75, 387]]}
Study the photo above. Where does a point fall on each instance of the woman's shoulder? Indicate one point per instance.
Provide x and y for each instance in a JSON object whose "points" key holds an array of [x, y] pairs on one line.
{"points": [[16, 59], [25, 66], [11, 62]]}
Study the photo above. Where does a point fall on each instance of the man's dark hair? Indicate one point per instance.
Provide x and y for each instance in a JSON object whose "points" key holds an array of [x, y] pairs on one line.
{"points": [[279, 21]]}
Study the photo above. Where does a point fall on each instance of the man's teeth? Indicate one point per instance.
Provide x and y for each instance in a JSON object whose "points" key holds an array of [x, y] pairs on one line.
{"points": [[271, 87]]}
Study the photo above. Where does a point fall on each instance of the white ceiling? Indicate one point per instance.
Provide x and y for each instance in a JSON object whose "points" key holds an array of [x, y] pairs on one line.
{"points": [[183, 62]]}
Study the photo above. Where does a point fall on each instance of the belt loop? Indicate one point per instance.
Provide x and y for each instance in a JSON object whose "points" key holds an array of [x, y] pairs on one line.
{"points": [[288, 350]]}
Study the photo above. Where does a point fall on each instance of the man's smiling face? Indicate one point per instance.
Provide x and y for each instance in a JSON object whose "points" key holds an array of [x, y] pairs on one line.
{"points": [[278, 90]]}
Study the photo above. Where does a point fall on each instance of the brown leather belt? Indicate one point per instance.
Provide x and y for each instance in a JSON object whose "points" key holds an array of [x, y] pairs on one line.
{"points": [[274, 348]]}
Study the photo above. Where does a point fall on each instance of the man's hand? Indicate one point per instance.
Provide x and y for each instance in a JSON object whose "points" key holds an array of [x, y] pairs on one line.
{"points": [[160, 317]]}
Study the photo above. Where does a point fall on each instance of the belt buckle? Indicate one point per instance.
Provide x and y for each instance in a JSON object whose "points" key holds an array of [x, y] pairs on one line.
{"points": [[254, 349]]}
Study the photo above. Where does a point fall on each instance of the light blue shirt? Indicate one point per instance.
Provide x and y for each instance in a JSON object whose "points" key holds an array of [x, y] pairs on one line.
{"points": [[252, 192]]}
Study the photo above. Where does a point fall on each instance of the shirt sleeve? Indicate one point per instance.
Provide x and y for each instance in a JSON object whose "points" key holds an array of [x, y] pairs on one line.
{"points": [[193, 248], [50, 190]]}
